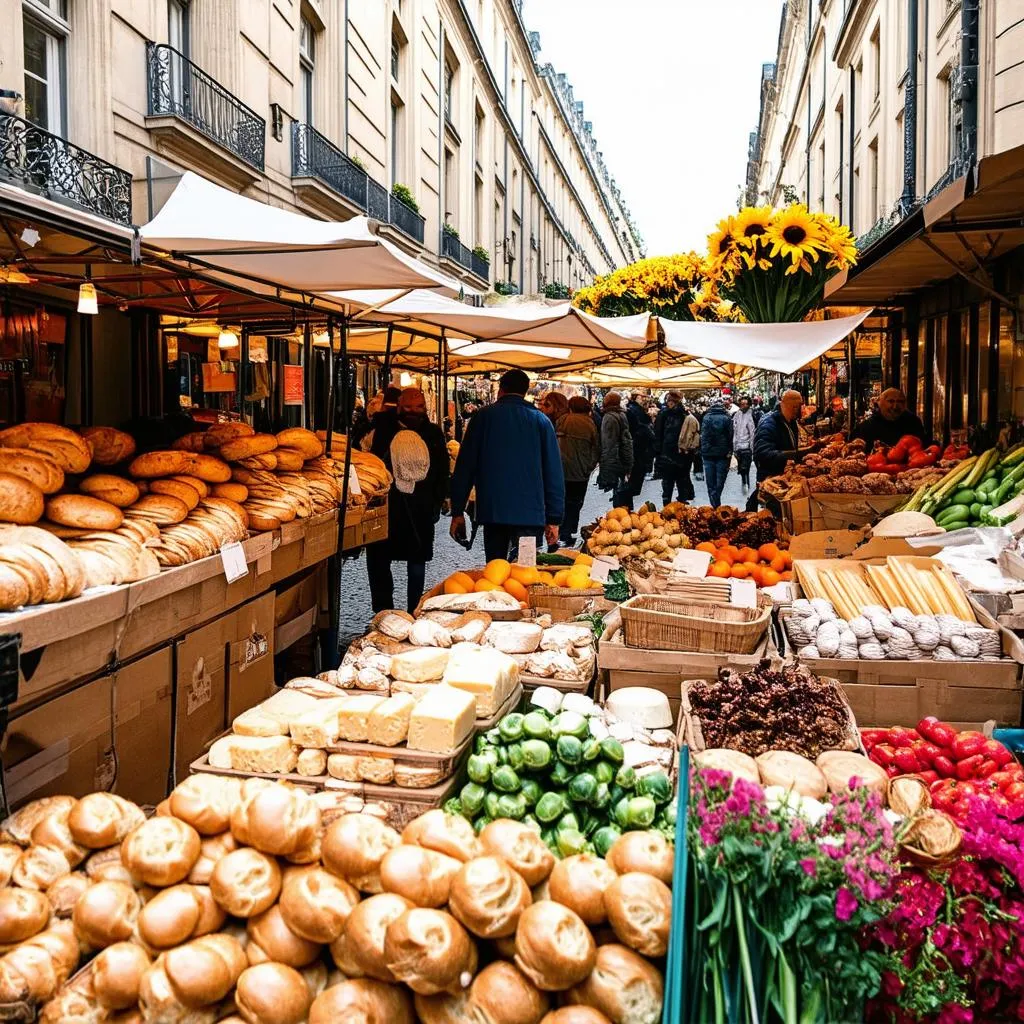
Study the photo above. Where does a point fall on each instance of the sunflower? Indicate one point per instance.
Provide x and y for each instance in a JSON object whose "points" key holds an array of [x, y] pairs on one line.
{"points": [[795, 235], [751, 223], [722, 242]]}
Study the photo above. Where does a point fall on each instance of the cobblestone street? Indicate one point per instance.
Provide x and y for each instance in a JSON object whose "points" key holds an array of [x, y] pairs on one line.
{"points": [[449, 556]]}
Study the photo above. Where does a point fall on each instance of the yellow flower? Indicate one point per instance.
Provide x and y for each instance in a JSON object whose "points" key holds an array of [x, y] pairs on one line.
{"points": [[722, 241], [794, 234], [751, 223]]}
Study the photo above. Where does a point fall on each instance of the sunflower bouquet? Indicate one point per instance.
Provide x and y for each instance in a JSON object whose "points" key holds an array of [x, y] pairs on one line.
{"points": [[669, 286], [773, 264]]}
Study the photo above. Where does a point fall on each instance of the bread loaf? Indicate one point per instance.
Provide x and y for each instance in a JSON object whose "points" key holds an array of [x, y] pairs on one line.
{"points": [[234, 492], [205, 802], [23, 913], [488, 897], [185, 493], [106, 913], [18, 826], [639, 909], [353, 848], [82, 512], [245, 882], [160, 851], [64, 894], [20, 500], [649, 852], [447, 833], [244, 447], [39, 867], [170, 917], [365, 1001], [554, 948], [575, 1014], [271, 938], [316, 904], [429, 951], [272, 993], [275, 819], [31, 466], [365, 931], [161, 463], [162, 509], [115, 490], [211, 849], [221, 433], [622, 986], [579, 883], [521, 846], [262, 753], [69, 450], [501, 992], [33, 971], [203, 971], [109, 446], [100, 820], [117, 974], [424, 877]]}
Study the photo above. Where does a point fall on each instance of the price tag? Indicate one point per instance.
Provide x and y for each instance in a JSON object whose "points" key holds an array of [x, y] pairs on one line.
{"points": [[527, 556], [743, 593], [692, 563], [353, 481], [602, 567], [233, 558]]}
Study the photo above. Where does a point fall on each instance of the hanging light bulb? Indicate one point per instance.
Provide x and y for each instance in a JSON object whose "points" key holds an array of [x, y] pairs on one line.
{"points": [[87, 302], [227, 339]]}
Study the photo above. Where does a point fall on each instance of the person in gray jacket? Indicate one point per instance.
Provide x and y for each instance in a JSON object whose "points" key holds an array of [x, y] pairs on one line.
{"points": [[616, 452], [581, 451]]}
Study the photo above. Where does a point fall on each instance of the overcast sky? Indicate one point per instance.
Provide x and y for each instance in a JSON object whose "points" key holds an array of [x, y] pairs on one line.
{"points": [[672, 88]]}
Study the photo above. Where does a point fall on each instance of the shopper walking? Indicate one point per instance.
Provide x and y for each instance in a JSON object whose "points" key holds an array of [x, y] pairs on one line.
{"points": [[673, 466], [554, 405], [416, 455], [641, 429], [580, 448], [743, 429], [716, 449], [510, 455], [616, 452]]}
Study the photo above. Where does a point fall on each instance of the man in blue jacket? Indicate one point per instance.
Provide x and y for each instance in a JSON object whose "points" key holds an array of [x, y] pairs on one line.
{"points": [[510, 455], [776, 441], [716, 449]]}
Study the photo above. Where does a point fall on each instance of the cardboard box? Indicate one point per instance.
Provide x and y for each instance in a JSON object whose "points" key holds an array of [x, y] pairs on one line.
{"points": [[143, 693], [251, 656], [300, 597], [200, 706], [375, 524], [836, 511], [352, 531]]}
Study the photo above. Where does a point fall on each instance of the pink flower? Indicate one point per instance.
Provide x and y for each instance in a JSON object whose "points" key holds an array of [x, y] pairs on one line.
{"points": [[809, 866], [846, 904]]}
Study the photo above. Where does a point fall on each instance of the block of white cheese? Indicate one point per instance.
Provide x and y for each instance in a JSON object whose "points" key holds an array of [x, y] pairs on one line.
{"points": [[263, 754], [344, 767], [421, 665], [640, 705], [415, 690], [484, 672], [274, 716], [514, 637], [389, 721], [318, 727], [380, 770], [354, 717], [312, 762], [442, 720]]}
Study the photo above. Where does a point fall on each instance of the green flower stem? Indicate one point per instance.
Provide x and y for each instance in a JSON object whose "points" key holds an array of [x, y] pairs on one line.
{"points": [[787, 986], [741, 935]]}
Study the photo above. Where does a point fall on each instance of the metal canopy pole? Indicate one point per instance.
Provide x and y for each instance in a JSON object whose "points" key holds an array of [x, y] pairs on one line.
{"points": [[330, 386], [308, 420], [387, 357]]}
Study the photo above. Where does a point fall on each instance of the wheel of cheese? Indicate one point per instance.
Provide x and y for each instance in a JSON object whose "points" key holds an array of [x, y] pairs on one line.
{"points": [[21, 502], [113, 489], [164, 463], [109, 445], [243, 447], [35, 468], [83, 512]]}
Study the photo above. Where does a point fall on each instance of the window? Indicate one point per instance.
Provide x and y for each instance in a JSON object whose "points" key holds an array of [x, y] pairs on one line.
{"points": [[45, 32], [450, 186], [478, 137], [396, 150], [876, 61], [821, 171], [307, 59], [873, 164], [178, 27], [478, 212], [396, 56], [449, 89], [841, 134]]}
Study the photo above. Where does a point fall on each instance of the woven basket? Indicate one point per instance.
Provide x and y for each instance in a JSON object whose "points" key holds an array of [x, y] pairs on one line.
{"points": [[662, 623]]}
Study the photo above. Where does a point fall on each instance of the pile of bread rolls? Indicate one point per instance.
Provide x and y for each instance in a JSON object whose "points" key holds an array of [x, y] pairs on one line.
{"points": [[246, 902], [373, 476]]}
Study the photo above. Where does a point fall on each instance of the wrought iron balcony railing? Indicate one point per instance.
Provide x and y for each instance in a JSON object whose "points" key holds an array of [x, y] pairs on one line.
{"points": [[406, 219], [480, 266], [34, 158], [178, 88], [453, 248]]}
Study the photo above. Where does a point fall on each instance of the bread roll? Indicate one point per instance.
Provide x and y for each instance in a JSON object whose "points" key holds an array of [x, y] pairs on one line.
{"points": [[204, 970], [109, 446], [639, 909], [554, 948], [316, 904], [115, 490], [34, 970], [488, 897], [81, 511], [21, 501], [117, 974], [245, 882], [106, 866], [66, 891], [447, 833], [101, 820], [106, 913], [170, 917], [445, 1008], [649, 852], [9, 854], [354, 846], [362, 1001], [211, 849], [501, 992], [31, 466], [18, 826], [160, 851], [521, 846], [274, 818], [575, 1015], [429, 951], [53, 831], [270, 938], [365, 931], [158, 1000], [579, 882], [205, 802], [23, 913], [272, 994], [420, 875], [39, 867], [625, 987]]}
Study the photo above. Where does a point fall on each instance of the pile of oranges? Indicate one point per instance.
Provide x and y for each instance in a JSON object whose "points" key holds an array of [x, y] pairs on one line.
{"points": [[767, 565], [499, 574]]}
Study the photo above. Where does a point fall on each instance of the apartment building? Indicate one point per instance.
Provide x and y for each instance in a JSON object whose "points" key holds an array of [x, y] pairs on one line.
{"points": [[905, 119], [432, 116]]}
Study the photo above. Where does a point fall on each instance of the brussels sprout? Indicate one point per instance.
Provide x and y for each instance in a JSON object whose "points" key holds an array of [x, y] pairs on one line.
{"points": [[480, 744], [604, 772], [602, 797], [616, 793], [570, 841], [536, 754], [549, 807], [511, 805], [505, 779], [568, 723], [452, 806], [472, 796], [582, 788], [481, 823], [611, 750], [493, 737], [502, 754], [478, 768], [511, 727], [641, 811], [620, 812], [569, 750], [550, 839], [569, 820], [515, 755], [656, 786], [591, 750], [625, 777], [604, 839], [560, 774], [530, 788], [536, 725], [491, 804], [591, 823]]}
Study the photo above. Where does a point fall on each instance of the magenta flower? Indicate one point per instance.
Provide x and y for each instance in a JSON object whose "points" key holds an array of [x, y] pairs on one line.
{"points": [[809, 866], [846, 904]]}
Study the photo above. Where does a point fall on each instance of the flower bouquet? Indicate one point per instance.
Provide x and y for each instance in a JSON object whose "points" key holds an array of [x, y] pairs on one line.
{"points": [[773, 264], [781, 889], [668, 286]]}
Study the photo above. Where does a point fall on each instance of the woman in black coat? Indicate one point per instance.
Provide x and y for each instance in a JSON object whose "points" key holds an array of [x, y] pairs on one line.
{"points": [[416, 455]]}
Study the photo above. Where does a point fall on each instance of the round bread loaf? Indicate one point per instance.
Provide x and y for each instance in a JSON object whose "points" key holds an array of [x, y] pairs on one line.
{"points": [[245, 882], [117, 974], [32, 466], [100, 820], [185, 493], [221, 433], [23, 913], [211, 849], [9, 854], [209, 469], [244, 447], [554, 948], [53, 831], [62, 445], [106, 866], [639, 909], [191, 442], [66, 891], [579, 882], [275, 819], [354, 846], [272, 994], [315, 904], [625, 987], [429, 951], [649, 852], [109, 445], [115, 490], [362, 1000], [18, 827], [205, 802], [420, 875], [521, 846], [21, 501], [34, 970], [203, 971], [270, 938], [488, 897], [575, 1015], [365, 931], [162, 463], [81, 511], [445, 1008], [170, 917], [160, 851], [447, 833], [302, 440], [39, 867], [233, 492], [501, 992], [106, 913]]}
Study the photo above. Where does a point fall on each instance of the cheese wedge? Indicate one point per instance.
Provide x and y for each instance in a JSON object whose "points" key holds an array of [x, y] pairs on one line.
{"points": [[319, 726], [442, 720], [487, 674], [354, 717], [389, 721], [421, 665]]}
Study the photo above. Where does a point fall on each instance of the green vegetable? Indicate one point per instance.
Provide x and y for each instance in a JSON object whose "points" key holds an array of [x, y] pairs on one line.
{"points": [[536, 754], [452, 806], [617, 586], [591, 750], [1006, 513], [611, 750], [511, 727], [491, 804], [616, 793], [561, 774], [656, 786], [511, 805], [582, 788], [570, 841], [604, 839], [602, 798], [620, 812], [963, 497], [515, 755], [494, 737], [481, 743], [472, 796], [604, 772], [568, 723], [478, 768], [481, 823], [569, 750], [530, 788], [625, 777], [536, 725], [505, 779], [641, 811], [549, 807], [549, 837], [502, 754], [568, 820]]}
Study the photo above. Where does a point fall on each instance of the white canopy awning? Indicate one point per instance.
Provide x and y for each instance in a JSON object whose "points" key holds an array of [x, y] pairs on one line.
{"points": [[783, 348]]}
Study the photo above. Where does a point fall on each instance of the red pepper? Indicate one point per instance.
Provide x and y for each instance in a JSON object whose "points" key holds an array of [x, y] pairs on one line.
{"points": [[968, 767], [902, 737], [906, 760], [987, 769], [944, 766], [876, 461], [869, 737], [998, 753], [1002, 779], [884, 754], [967, 744], [893, 468], [1014, 792], [929, 776], [936, 732], [921, 459], [910, 442], [944, 794], [925, 752]]}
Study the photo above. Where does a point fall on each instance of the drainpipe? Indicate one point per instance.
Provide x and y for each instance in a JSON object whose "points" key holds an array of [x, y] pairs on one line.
{"points": [[910, 114], [853, 142], [968, 84], [345, 66]]}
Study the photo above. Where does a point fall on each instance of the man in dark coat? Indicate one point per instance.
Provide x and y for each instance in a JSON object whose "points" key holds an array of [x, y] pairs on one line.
{"points": [[641, 430], [672, 464], [416, 455], [616, 452], [716, 449], [776, 441], [891, 422]]}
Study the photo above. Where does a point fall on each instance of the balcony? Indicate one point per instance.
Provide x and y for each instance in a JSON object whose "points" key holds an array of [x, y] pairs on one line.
{"points": [[453, 249], [480, 266], [187, 107], [36, 160], [406, 219]]}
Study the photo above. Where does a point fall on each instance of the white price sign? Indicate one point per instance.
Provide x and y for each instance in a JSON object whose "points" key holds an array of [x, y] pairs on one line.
{"points": [[692, 563], [743, 593], [233, 558], [602, 567], [353, 481], [527, 552]]}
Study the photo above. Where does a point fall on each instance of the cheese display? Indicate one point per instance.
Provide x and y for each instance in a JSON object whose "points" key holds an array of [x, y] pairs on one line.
{"points": [[442, 719], [388, 724], [262, 754], [514, 637], [354, 717], [420, 665], [319, 726], [488, 675]]}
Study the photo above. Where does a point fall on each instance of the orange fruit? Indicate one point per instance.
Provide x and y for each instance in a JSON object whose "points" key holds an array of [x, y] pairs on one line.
{"points": [[516, 589], [747, 555], [787, 558], [766, 552], [720, 568], [706, 546], [769, 577], [739, 571], [497, 571], [721, 542], [731, 552], [463, 579], [546, 578], [755, 573], [484, 584], [453, 586], [723, 555], [778, 563], [786, 576], [526, 575]]}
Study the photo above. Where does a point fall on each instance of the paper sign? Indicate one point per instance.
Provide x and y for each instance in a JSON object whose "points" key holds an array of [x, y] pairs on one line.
{"points": [[602, 567], [691, 563], [743, 593], [353, 481], [233, 558], [294, 384], [527, 552]]}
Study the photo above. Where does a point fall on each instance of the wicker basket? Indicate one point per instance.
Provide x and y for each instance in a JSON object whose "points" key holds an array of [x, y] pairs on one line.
{"points": [[661, 623]]}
